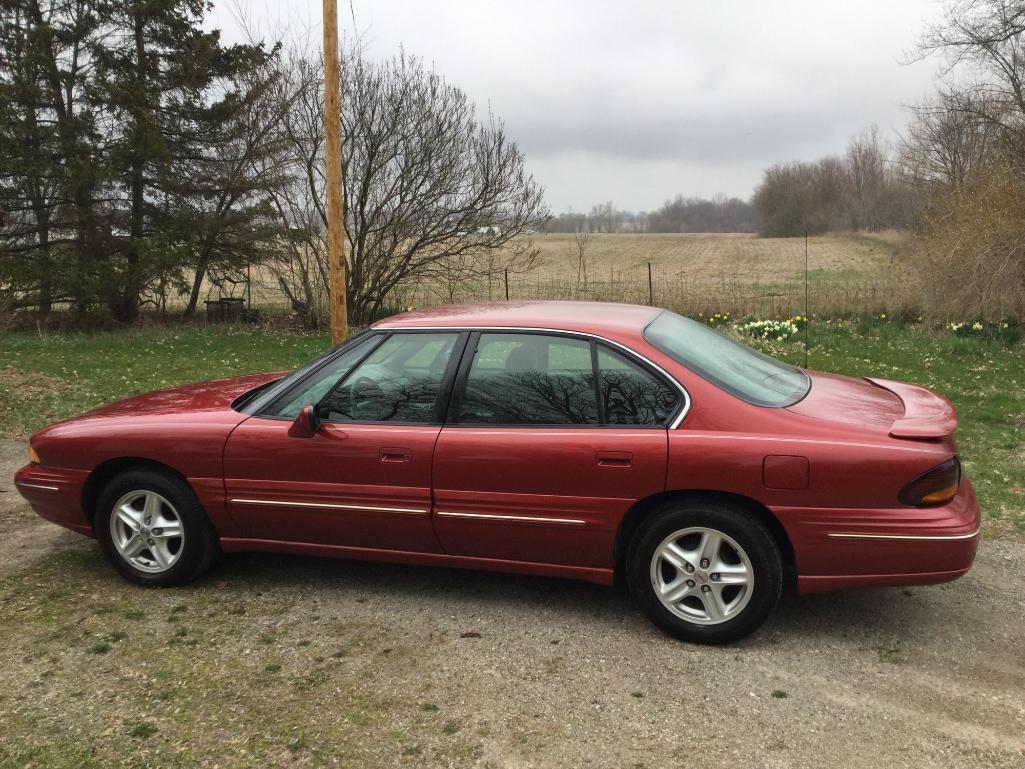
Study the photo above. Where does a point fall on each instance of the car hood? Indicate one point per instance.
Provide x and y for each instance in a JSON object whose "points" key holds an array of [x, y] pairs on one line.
{"points": [[215, 395], [878, 405]]}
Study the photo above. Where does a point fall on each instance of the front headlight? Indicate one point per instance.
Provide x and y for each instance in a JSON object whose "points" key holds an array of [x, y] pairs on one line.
{"points": [[33, 457]]}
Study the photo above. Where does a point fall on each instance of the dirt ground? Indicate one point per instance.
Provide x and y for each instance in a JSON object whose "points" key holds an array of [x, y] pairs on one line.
{"points": [[454, 668]]}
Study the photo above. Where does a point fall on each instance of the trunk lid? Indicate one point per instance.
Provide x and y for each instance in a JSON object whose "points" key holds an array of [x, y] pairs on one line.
{"points": [[879, 405]]}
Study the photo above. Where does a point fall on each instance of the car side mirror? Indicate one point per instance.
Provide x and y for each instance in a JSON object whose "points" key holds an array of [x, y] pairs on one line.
{"points": [[306, 423]]}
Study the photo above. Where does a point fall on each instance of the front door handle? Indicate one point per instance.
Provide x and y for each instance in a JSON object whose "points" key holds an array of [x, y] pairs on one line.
{"points": [[396, 455], [614, 458]]}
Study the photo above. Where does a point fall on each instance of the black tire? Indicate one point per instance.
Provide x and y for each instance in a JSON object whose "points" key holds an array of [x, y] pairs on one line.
{"points": [[198, 548], [746, 531]]}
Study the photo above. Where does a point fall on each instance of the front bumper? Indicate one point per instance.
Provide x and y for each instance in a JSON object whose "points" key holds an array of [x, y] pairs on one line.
{"points": [[55, 494], [836, 549]]}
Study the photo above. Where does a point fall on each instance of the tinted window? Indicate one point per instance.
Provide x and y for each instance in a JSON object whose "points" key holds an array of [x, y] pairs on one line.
{"points": [[399, 382], [631, 395], [316, 387], [530, 379], [730, 365]]}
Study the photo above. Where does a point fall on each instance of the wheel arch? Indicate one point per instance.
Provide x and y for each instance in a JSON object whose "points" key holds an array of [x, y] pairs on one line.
{"points": [[106, 471], [643, 508]]}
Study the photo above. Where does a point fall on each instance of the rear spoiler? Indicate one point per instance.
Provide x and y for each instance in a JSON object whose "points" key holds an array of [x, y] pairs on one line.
{"points": [[926, 414]]}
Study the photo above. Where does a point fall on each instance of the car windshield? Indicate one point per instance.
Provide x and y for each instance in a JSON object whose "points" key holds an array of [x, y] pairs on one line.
{"points": [[730, 365]]}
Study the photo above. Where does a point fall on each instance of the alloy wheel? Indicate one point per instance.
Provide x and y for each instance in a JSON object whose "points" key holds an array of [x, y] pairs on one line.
{"points": [[702, 575], [147, 531]]}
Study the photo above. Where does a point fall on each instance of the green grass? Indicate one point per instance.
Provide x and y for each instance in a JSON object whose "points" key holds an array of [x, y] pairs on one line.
{"points": [[43, 379]]}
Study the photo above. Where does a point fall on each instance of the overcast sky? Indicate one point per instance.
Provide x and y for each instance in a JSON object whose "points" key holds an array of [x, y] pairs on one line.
{"points": [[635, 102]]}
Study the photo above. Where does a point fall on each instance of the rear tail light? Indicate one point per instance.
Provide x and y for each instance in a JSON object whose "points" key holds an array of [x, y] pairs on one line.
{"points": [[933, 487]]}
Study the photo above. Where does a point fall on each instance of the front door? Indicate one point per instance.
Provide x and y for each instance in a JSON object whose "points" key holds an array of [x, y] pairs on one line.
{"points": [[551, 439], [364, 478]]}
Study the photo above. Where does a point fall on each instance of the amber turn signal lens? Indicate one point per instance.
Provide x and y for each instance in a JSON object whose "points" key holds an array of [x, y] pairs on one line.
{"points": [[33, 457], [934, 487], [940, 497]]}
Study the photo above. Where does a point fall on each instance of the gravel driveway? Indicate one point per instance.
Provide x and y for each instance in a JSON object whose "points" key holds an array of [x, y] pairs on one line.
{"points": [[547, 673]]}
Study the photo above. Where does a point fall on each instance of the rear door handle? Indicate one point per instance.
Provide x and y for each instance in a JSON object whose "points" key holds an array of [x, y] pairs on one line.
{"points": [[396, 455], [614, 458]]}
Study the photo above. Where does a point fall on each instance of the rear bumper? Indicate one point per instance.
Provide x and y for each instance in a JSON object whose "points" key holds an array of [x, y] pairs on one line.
{"points": [[55, 494], [836, 549]]}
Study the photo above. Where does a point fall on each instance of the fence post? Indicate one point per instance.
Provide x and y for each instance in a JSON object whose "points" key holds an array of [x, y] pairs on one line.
{"points": [[651, 288], [507, 284]]}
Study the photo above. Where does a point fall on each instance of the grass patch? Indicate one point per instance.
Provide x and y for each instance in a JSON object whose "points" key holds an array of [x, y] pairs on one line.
{"points": [[141, 729], [47, 378], [222, 702]]}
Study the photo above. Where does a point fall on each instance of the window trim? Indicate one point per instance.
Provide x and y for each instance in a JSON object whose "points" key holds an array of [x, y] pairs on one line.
{"points": [[672, 422]]}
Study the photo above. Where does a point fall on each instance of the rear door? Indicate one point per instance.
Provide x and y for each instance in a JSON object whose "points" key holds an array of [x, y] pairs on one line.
{"points": [[550, 439], [364, 479]]}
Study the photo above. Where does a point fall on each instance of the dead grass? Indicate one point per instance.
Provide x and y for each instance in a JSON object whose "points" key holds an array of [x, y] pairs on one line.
{"points": [[221, 674], [738, 273]]}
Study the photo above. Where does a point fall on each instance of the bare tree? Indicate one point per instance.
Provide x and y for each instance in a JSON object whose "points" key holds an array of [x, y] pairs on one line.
{"points": [[432, 193], [577, 251], [802, 198], [231, 211], [971, 143], [603, 218], [946, 143], [868, 181], [983, 43]]}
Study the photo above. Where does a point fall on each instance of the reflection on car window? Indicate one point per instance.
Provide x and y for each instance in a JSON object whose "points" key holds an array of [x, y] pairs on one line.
{"points": [[323, 380], [399, 382], [629, 394], [522, 379]]}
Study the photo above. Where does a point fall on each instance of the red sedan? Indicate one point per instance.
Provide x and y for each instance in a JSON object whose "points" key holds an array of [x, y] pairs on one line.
{"points": [[555, 438]]}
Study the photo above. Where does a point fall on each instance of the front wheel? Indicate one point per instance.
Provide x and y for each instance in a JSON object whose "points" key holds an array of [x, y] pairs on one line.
{"points": [[705, 572], [153, 529]]}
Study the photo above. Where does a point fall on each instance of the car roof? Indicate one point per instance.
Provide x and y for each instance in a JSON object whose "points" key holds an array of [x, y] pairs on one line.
{"points": [[590, 317]]}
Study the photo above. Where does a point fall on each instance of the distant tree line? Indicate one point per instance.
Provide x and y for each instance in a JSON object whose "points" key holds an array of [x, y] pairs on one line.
{"points": [[719, 214], [144, 160], [863, 189], [680, 214]]}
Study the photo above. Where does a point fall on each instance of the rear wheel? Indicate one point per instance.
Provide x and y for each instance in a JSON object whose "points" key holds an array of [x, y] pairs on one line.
{"points": [[705, 572], [153, 529]]}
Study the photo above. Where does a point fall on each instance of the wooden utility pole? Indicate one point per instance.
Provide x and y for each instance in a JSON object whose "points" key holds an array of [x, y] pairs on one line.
{"points": [[333, 173]]}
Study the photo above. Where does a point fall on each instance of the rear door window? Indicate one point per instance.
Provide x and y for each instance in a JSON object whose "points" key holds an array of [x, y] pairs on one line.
{"points": [[631, 395], [530, 379]]}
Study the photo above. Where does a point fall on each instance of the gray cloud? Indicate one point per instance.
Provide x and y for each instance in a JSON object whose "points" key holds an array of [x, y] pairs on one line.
{"points": [[637, 102]]}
